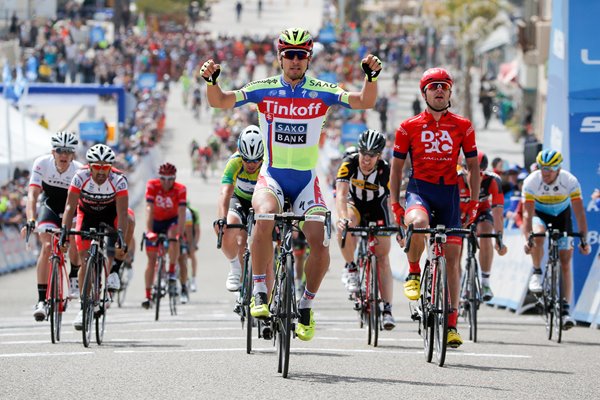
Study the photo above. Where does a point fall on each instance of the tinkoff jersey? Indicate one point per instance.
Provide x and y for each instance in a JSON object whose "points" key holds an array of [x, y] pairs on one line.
{"points": [[291, 118]]}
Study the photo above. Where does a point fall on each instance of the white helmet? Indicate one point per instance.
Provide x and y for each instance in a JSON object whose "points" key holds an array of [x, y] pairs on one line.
{"points": [[65, 140], [100, 152], [250, 144]]}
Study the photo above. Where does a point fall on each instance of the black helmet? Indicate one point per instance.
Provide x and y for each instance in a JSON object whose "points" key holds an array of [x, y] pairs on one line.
{"points": [[371, 141]]}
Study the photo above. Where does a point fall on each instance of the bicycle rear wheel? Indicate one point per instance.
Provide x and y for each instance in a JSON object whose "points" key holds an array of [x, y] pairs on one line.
{"points": [[558, 303], [173, 294], [124, 275], [442, 309], [374, 301], [158, 289], [426, 312], [473, 300], [54, 303], [88, 296], [103, 301]]}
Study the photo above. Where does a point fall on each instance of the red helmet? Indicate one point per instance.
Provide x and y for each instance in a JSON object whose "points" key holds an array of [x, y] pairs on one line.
{"points": [[435, 75], [167, 169], [483, 160]]}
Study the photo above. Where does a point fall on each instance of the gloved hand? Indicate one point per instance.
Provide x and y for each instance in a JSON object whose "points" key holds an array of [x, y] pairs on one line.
{"points": [[371, 65], [471, 212], [398, 211], [210, 72]]}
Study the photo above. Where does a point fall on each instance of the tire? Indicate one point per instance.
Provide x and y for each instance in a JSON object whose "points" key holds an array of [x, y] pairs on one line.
{"points": [[246, 298], [547, 299], [122, 293], [374, 301], [427, 318], [558, 303], [158, 290], [88, 299], [173, 298], [442, 310], [287, 319], [54, 303], [367, 303], [473, 300], [103, 300]]}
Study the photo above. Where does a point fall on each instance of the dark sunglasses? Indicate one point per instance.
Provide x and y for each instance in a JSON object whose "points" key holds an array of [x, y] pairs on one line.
{"points": [[64, 150], [549, 168], [101, 167], [167, 178], [369, 153], [438, 85], [291, 54], [250, 161]]}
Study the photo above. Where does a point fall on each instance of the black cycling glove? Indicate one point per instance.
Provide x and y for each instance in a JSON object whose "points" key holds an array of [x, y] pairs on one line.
{"points": [[371, 74], [211, 80]]}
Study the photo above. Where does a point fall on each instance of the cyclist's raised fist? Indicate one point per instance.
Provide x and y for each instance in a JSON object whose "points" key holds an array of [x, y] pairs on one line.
{"points": [[210, 72], [371, 65]]}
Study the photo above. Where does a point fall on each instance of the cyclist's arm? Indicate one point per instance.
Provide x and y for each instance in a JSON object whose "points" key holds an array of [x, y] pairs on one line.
{"points": [[196, 229], [579, 212], [498, 219], [364, 99], [218, 98], [474, 177], [226, 193], [528, 213], [122, 204], [32, 196], [396, 179], [341, 199], [149, 216], [181, 220], [70, 207]]}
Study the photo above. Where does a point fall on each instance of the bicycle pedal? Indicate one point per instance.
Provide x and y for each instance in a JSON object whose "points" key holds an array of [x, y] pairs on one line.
{"points": [[415, 316], [356, 306]]}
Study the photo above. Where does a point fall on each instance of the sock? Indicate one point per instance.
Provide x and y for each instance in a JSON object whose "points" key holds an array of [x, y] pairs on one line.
{"points": [[172, 269], [236, 267], [74, 271], [452, 319], [307, 299], [537, 270], [485, 279], [42, 292], [116, 266], [387, 308], [414, 268], [351, 267], [260, 284], [148, 293]]}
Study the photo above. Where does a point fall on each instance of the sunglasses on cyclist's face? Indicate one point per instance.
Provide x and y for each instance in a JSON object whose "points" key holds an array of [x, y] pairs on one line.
{"points": [[438, 85], [167, 178], [549, 169], [371, 154], [101, 167], [291, 54], [246, 160], [64, 150]]}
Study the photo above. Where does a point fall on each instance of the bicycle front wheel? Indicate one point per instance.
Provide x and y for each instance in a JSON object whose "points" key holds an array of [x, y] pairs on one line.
{"points": [[286, 319], [374, 301], [473, 300], [54, 302], [88, 298], [427, 312], [547, 301], [246, 299], [558, 303], [103, 300], [442, 309], [158, 288]]}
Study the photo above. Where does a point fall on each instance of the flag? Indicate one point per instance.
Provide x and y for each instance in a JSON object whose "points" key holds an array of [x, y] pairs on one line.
{"points": [[7, 81], [20, 85]]}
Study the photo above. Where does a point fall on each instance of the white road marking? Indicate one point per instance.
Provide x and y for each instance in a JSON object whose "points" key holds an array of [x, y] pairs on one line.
{"points": [[46, 354]]}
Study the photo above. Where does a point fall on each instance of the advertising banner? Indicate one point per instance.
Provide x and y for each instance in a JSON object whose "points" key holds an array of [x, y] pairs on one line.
{"points": [[92, 131]]}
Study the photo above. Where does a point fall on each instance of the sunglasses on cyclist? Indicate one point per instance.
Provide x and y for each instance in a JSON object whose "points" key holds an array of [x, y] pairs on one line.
{"points": [[246, 160], [64, 150], [438, 85], [548, 168], [371, 154], [167, 178], [291, 54], [101, 167]]}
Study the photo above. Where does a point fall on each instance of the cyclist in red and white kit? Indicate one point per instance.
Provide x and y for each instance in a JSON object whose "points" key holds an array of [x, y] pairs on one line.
{"points": [[99, 194], [434, 139], [166, 202]]}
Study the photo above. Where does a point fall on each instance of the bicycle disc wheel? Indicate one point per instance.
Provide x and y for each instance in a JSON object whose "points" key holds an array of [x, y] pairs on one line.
{"points": [[427, 317], [547, 300], [103, 303], [442, 309], [374, 301], [158, 289], [558, 303], [54, 303], [473, 301], [88, 299]]}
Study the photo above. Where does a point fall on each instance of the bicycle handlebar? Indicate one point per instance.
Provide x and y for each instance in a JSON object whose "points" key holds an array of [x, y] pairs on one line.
{"points": [[370, 230], [555, 234], [221, 223], [440, 229], [288, 217], [160, 238]]}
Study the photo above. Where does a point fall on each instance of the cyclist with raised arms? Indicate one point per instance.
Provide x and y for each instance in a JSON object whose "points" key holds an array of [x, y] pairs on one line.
{"points": [[51, 176], [237, 186], [99, 194], [489, 217], [166, 202], [362, 196], [434, 139], [292, 108], [550, 193]]}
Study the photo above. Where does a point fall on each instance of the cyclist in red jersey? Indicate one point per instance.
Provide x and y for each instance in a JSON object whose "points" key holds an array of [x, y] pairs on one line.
{"points": [[165, 210], [434, 139], [489, 217]]}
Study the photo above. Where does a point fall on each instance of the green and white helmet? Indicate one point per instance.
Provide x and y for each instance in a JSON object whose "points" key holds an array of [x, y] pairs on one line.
{"points": [[295, 38]]}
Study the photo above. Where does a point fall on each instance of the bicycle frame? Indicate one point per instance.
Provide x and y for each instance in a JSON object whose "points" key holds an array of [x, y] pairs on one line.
{"points": [[162, 245], [57, 282]]}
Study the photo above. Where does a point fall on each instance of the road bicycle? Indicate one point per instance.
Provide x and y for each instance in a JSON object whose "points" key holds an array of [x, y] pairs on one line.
{"points": [[242, 303], [433, 307], [159, 286], [125, 276], [470, 287], [367, 301], [283, 305], [95, 298], [551, 299]]}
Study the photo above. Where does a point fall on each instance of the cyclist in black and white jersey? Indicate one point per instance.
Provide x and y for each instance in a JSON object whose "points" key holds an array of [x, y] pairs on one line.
{"points": [[51, 176]]}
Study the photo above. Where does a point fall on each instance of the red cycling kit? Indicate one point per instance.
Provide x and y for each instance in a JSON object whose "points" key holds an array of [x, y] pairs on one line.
{"points": [[434, 147], [491, 189], [166, 205]]}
